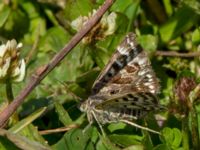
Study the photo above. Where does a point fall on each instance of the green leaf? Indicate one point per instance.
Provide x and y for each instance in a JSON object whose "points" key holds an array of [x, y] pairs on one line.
{"points": [[177, 138], [128, 8], [54, 39], [17, 21], [148, 42], [178, 24], [74, 9], [186, 73], [100, 57], [121, 6], [51, 16], [116, 126], [168, 135], [108, 143], [121, 27], [131, 12], [22, 142], [5, 144], [76, 62], [62, 114], [78, 90], [168, 7], [32, 133], [135, 147], [86, 80], [37, 25], [4, 13], [125, 140], [172, 137], [147, 141], [196, 36], [162, 147], [26, 121], [193, 4], [36, 29], [72, 140], [100, 146], [31, 9]]}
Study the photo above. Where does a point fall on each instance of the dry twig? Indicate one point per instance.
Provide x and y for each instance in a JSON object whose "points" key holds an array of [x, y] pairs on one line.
{"points": [[63, 129], [177, 54]]}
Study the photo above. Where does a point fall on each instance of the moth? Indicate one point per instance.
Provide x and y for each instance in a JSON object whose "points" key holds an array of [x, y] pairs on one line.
{"points": [[126, 89]]}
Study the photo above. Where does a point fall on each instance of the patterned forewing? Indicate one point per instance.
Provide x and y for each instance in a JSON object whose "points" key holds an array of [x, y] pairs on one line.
{"points": [[128, 71], [126, 52]]}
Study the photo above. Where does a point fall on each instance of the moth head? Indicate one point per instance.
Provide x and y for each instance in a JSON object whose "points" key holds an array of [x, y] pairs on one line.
{"points": [[84, 106]]}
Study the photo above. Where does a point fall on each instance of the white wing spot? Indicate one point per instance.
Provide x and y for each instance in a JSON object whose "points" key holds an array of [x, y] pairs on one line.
{"points": [[142, 61], [153, 91], [147, 83], [151, 87], [150, 79], [122, 50], [142, 72], [149, 76], [132, 45]]}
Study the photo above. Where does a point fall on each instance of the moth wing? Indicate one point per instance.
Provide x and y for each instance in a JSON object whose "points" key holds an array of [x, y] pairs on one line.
{"points": [[129, 70], [133, 105], [124, 54]]}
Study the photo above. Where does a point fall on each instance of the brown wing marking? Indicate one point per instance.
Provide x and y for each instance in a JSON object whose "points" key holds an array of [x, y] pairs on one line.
{"points": [[126, 51]]}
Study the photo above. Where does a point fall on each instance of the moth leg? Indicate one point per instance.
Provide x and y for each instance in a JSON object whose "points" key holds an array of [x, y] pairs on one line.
{"points": [[101, 128], [138, 126], [86, 128]]}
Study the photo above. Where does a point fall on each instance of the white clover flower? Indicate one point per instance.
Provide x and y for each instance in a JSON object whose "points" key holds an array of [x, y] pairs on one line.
{"points": [[105, 27], [109, 23], [11, 67]]}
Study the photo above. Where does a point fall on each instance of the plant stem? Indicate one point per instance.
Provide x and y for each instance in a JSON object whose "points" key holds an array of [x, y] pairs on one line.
{"points": [[9, 91], [194, 97], [176, 54], [194, 129], [10, 98], [185, 132]]}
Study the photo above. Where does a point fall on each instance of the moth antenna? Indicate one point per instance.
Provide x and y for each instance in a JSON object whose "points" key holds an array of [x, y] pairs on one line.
{"points": [[69, 91], [101, 128], [141, 127]]}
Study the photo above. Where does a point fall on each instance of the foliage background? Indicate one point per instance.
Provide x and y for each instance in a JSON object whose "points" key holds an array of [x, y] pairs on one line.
{"points": [[43, 26]]}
